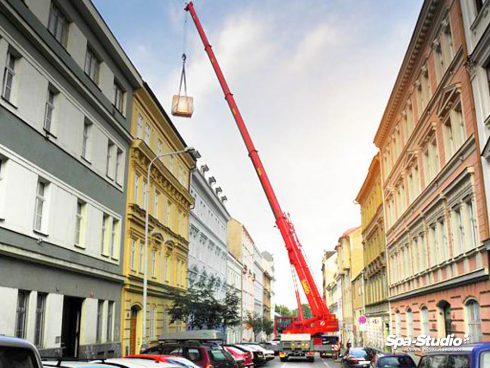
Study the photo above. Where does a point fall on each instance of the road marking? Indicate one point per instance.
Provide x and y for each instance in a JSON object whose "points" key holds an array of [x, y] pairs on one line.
{"points": [[325, 363]]}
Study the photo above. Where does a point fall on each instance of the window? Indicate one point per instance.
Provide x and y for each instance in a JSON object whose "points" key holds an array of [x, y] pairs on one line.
{"points": [[142, 256], [39, 205], [152, 322], [92, 65], [443, 47], [470, 224], [398, 324], [165, 266], [168, 213], [478, 8], [431, 160], [145, 194], [156, 200], [114, 238], [139, 129], [147, 134], [79, 223], [454, 132], [49, 110], [159, 147], [424, 321], [58, 25], [87, 127], [118, 169], [100, 315], [118, 97], [136, 189], [105, 227], [409, 323], [457, 230], [21, 313], [110, 314], [110, 148], [132, 255], [473, 320], [40, 319], [153, 264], [9, 76]]}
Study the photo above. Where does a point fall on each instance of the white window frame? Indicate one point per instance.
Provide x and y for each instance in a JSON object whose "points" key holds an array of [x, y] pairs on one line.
{"points": [[8, 85], [92, 65], [58, 24], [119, 97], [80, 222], [86, 133], [49, 112], [40, 205]]}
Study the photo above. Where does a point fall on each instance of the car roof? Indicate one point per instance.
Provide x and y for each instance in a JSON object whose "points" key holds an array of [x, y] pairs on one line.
{"points": [[16, 342], [463, 349], [71, 364], [136, 363]]}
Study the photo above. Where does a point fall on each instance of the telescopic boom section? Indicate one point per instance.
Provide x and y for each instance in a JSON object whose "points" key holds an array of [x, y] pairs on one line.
{"points": [[323, 320]]}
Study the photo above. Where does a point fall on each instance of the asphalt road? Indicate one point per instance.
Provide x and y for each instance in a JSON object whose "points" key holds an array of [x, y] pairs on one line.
{"points": [[297, 363]]}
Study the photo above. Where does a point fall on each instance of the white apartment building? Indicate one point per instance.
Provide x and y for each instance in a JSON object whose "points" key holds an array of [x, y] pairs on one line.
{"points": [[208, 250], [234, 282], [64, 138]]}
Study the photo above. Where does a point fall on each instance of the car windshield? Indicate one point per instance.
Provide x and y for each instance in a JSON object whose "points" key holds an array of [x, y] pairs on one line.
{"points": [[217, 355], [16, 358], [396, 361], [330, 340], [358, 353]]}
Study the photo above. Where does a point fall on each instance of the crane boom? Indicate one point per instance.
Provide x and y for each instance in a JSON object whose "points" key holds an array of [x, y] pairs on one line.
{"points": [[322, 320]]}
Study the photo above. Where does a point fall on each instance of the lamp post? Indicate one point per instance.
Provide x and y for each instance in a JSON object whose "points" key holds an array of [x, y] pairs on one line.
{"points": [[145, 256]]}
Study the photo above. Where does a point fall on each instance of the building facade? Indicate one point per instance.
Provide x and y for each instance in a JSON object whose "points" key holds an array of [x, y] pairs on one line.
{"points": [[234, 282], [349, 248], [208, 250], [168, 200], [329, 283], [370, 198], [241, 246], [476, 22], [435, 211], [268, 287], [65, 113]]}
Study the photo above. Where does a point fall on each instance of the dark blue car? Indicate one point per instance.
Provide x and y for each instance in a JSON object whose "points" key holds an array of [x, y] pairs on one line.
{"points": [[475, 355], [393, 361]]}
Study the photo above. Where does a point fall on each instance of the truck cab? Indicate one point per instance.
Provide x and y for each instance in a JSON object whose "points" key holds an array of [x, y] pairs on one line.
{"points": [[296, 346]]}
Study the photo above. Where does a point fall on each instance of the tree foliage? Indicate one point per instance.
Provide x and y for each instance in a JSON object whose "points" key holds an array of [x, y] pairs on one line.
{"points": [[306, 311], [283, 310], [199, 308], [268, 326]]}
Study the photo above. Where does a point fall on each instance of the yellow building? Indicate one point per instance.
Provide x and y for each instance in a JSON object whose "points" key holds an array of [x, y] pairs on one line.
{"points": [[169, 201], [377, 311], [349, 250]]}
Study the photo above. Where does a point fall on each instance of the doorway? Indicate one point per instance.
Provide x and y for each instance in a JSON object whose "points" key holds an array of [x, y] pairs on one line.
{"points": [[133, 325], [70, 326], [444, 320]]}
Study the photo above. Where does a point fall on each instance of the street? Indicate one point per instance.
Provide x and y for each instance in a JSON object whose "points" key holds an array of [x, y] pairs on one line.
{"points": [[319, 363]]}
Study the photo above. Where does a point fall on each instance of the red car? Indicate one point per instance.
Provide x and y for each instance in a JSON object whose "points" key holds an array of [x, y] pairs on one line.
{"points": [[247, 357], [172, 359]]}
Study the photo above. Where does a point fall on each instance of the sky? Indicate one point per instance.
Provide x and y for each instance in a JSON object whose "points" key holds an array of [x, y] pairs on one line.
{"points": [[311, 78]]}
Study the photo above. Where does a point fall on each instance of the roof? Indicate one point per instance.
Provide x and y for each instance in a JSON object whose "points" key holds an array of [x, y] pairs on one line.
{"points": [[349, 231], [373, 168]]}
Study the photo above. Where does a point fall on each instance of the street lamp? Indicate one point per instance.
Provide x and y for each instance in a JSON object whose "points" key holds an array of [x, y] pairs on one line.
{"points": [[195, 154]]}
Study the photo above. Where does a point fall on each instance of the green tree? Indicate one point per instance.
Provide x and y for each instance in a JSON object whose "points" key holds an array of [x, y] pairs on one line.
{"points": [[283, 310], [268, 326], [198, 307], [255, 321], [306, 311]]}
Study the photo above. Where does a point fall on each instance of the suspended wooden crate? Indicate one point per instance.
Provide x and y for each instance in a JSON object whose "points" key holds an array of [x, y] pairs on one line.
{"points": [[182, 106]]}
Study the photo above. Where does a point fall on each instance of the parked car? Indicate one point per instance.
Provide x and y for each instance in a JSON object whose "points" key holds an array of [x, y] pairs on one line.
{"points": [[18, 353], [475, 355], [74, 364], [133, 363], [400, 360], [242, 358], [358, 357], [170, 359], [258, 355], [268, 353], [201, 354], [272, 345]]}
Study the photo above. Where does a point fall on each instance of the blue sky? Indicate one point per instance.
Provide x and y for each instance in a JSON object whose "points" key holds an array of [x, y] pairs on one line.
{"points": [[312, 79]]}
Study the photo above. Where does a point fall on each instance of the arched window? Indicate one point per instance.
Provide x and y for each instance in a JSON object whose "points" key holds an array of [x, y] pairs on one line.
{"points": [[424, 321], [409, 323], [473, 322], [398, 323]]}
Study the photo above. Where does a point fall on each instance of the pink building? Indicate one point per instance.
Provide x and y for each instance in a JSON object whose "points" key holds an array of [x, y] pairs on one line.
{"points": [[434, 206]]}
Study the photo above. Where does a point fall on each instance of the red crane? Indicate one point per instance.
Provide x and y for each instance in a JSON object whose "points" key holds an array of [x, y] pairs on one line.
{"points": [[322, 320]]}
